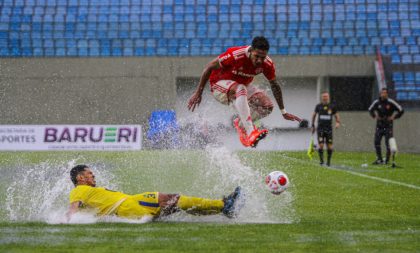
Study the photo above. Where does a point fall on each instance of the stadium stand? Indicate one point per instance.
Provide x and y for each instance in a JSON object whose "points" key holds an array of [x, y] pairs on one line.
{"points": [[107, 28]]}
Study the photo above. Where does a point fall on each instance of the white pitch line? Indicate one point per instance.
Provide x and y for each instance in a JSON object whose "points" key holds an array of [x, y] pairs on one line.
{"points": [[362, 175]]}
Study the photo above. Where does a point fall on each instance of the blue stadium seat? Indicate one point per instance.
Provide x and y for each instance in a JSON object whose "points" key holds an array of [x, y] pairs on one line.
{"points": [[416, 58], [347, 50], [403, 49], [406, 59], [395, 59], [418, 77], [359, 25], [337, 50], [392, 49], [409, 78]]}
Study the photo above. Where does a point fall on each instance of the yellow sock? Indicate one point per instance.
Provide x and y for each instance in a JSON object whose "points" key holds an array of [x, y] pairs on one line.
{"points": [[199, 204]]}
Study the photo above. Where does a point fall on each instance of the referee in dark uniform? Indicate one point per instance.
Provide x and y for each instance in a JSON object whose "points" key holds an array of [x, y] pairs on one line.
{"points": [[325, 111], [385, 111]]}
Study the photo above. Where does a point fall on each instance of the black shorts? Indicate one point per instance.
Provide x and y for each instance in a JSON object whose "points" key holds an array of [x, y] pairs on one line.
{"points": [[325, 135]]}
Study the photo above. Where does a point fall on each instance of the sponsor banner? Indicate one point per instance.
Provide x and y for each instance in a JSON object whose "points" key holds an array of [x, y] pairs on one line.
{"points": [[70, 137]]}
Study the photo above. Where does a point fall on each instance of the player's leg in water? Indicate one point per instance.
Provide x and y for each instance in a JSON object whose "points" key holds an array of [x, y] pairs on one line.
{"points": [[377, 141], [170, 203]]}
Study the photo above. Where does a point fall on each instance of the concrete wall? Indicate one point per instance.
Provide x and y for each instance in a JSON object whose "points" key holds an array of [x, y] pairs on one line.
{"points": [[83, 90], [122, 90], [126, 90]]}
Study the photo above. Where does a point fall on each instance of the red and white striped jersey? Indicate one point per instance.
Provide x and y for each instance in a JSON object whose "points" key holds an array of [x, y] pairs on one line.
{"points": [[236, 65]]}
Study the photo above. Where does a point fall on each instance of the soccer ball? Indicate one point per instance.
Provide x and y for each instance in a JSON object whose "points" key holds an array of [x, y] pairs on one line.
{"points": [[277, 182]]}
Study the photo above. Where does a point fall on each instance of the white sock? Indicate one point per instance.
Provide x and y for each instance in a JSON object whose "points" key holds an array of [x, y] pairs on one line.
{"points": [[241, 105]]}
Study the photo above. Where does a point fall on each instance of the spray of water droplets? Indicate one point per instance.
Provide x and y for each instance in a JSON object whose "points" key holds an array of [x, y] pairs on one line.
{"points": [[40, 192]]}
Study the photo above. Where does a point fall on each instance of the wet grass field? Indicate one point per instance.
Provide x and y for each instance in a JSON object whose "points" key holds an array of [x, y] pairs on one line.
{"points": [[351, 206]]}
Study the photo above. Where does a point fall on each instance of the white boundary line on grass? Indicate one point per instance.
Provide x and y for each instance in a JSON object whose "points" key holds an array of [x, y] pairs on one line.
{"points": [[361, 174]]}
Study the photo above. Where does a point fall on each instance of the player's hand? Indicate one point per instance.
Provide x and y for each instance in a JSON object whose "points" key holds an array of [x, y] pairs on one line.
{"points": [[391, 118], [378, 118], [194, 101], [337, 125], [291, 117], [313, 129]]}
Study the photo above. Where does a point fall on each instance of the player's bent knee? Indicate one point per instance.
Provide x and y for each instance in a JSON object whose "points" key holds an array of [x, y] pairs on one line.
{"points": [[269, 109], [167, 200]]}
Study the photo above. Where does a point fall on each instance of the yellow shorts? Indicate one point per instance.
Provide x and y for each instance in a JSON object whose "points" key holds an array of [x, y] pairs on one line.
{"points": [[140, 205]]}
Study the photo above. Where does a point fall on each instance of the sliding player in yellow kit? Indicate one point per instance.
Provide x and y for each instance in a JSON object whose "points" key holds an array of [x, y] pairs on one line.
{"points": [[104, 202]]}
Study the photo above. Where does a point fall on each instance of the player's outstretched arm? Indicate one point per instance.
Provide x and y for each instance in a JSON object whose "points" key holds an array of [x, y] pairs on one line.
{"points": [[195, 99], [74, 208], [278, 95]]}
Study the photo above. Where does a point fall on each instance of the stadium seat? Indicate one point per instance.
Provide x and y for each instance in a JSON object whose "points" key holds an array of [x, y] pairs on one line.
{"points": [[395, 59], [416, 58], [406, 59], [359, 25], [409, 78]]}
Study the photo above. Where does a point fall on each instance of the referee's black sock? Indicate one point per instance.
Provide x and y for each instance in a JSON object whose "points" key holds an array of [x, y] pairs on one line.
{"points": [[329, 154], [378, 152], [321, 156]]}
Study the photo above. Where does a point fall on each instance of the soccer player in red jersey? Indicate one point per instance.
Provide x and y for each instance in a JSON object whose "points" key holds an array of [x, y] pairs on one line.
{"points": [[230, 75]]}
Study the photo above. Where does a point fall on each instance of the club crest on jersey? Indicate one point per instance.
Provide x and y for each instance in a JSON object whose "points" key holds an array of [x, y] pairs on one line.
{"points": [[224, 57]]}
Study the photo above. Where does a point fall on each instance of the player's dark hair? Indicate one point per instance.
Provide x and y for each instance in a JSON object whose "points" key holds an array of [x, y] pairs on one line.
{"points": [[384, 88], [261, 43], [75, 171]]}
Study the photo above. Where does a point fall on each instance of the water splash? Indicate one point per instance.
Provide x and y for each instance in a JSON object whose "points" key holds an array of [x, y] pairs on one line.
{"points": [[260, 205], [40, 192], [223, 171]]}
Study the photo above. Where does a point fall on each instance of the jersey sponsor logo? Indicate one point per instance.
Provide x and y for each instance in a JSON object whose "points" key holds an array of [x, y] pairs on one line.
{"points": [[325, 117], [150, 195], [240, 73]]}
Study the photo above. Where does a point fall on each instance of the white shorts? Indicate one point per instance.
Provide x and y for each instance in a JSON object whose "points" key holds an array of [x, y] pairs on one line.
{"points": [[221, 89]]}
